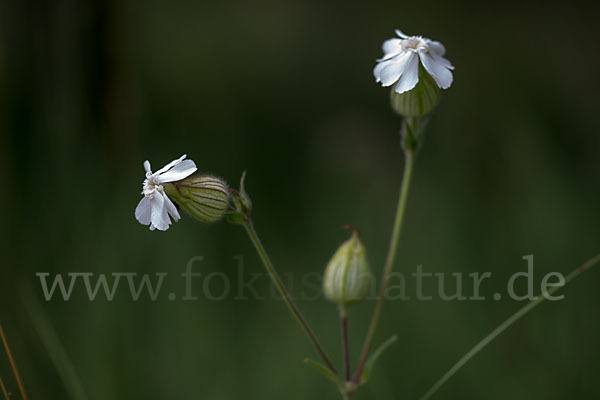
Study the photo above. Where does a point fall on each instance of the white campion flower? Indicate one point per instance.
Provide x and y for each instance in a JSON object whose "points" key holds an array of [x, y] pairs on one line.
{"points": [[400, 62], [155, 207]]}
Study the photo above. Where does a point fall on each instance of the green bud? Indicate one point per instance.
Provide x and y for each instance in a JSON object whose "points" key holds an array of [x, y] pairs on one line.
{"points": [[204, 197], [419, 101], [245, 202], [347, 277], [241, 204]]}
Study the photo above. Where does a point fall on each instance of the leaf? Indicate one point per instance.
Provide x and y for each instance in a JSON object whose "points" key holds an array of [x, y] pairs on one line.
{"points": [[325, 371], [375, 356], [235, 217]]}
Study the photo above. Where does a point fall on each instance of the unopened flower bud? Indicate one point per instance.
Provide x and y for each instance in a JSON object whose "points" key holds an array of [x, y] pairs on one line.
{"points": [[204, 197], [420, 100], [245, 204], [347, 277]]}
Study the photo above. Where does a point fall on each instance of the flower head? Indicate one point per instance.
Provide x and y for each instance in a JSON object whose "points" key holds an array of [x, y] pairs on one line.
{"points": [[155, 207], [402, 58]]}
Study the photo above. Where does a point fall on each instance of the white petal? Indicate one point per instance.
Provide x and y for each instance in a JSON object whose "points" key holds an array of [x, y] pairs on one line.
{"points": [[441, 60], [160, 218], [179, 172], [388, 57], [171, 209], [143, 211], [147, 166], [409, 77], [392, 46], [377, 70], [392, 72], [171, 164], [437, 47], [441, 75], [402, 35]]}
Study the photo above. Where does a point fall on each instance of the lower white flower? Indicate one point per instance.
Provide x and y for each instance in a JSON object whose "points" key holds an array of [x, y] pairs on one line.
{"points": [[155, 207], [400, 63]]}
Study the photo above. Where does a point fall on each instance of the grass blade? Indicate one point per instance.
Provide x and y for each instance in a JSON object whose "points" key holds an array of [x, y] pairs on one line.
{"points": [[506, 324], [325, 371]]}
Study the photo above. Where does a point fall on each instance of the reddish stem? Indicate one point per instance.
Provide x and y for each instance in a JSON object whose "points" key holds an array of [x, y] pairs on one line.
{"points": [[12, 364]]}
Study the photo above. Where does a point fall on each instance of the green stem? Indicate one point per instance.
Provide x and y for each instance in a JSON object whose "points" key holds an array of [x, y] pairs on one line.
{"points": [[408, 170], [506, 324], [248, 225]]}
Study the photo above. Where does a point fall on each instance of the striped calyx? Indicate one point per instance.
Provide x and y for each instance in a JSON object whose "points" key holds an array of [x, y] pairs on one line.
{"points": [[347, 277], [204, 197], [419, 101]]}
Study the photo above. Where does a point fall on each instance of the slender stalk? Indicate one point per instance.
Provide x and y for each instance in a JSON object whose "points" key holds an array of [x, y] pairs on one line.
{"points": [[4, 391], [248, 225], [345, 347], [505, 325], [404, 189], [12, 364]]}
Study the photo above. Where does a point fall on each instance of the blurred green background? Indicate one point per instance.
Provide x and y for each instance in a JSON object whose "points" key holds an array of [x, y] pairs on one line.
{"points": [[284, 89]]}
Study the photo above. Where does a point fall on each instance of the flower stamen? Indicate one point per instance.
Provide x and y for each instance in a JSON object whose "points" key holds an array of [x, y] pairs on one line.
{"points": [[415, 43]]}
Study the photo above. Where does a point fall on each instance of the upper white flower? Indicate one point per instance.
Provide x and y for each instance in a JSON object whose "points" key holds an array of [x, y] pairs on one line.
{"points": [[155, 207], [400, 62]]}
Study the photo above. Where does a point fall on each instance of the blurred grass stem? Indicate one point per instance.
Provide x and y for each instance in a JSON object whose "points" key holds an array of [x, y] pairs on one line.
{"points": [[56, 350], [12, 364], [4, 392]]}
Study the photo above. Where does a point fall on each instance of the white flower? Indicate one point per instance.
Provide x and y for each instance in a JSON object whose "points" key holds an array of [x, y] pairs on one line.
{"points": [[400, 62], [155, 207]]}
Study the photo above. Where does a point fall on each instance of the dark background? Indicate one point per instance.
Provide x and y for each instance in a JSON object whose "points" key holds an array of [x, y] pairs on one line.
{"points": [[284, 89]]}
